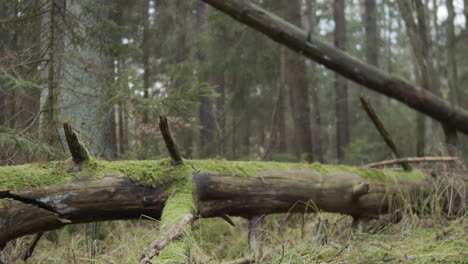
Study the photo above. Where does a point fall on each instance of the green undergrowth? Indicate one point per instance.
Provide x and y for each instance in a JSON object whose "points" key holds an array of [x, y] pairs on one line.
{"points": [[162, 173]]}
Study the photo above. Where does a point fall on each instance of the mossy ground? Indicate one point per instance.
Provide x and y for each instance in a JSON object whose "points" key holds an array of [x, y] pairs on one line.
{"points": [[411, 241]]}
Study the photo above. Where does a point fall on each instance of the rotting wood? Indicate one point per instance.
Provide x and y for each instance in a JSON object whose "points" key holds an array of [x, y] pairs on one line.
{"points": [[411, 160], [383, 132], [341, 62]]}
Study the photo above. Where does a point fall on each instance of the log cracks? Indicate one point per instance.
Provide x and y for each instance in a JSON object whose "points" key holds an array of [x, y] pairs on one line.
{"points": [[27, 200]]}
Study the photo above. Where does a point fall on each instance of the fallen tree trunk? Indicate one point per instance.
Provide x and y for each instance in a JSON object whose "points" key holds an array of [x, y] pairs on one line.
{"points": [[51, 195], [339, 61]]}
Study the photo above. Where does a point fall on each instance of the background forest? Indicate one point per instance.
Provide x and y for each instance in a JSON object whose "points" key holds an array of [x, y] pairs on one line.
{"points": [[110, 68]]}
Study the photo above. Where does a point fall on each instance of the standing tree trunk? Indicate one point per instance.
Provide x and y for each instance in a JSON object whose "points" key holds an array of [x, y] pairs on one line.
{"points": [[465, 10], [372, 39], [450, 134], [341, 89], [51, 103], [221, 114], [82, 80], [120, 107], [146, 56], [314, 85], [2, 105], [451, 55], [3, 37], [418, 34], [299, 91], [206, 109], [281, 106]]}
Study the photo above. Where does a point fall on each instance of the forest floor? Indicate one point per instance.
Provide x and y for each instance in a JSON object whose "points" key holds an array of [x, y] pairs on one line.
{"points": [[286, 239]]}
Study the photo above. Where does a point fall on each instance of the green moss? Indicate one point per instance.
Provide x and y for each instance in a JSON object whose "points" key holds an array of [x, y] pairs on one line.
{"points": [[162, 173], [181, 199], [36, 174], [153, 173], [251, 168], [242, 168], [179, 204], [372, 174], [174, 253]]}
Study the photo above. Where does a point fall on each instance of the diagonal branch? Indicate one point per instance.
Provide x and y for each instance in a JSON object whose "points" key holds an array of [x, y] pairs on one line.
{"points": [[341, 62]]}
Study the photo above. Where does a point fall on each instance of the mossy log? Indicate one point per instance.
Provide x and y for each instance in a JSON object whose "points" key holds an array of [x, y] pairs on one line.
{"points": [[47, 196]]}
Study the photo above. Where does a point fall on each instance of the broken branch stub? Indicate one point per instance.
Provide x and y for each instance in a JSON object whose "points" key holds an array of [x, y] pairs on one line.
{"points": [[77, 149], [169, 140]]}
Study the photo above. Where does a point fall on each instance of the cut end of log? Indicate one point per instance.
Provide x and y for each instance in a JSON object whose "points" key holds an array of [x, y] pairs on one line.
{"points": [[77, 149], [360, 190]]}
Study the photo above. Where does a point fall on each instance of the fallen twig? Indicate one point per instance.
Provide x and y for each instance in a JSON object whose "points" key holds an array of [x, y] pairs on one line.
{"points": [[159, 244], [411, 160]]}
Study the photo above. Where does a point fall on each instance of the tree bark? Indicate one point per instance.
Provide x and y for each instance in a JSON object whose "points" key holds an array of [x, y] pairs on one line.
{"points": [[80, 78], [146, 45], [3, 35], [299, 90], [343, 63], [372, 43], [102, 190], [465, 11], [314, 89], [341, 88], [451, 54], [372, 37], [206, 110], [221, 115], [281, 108], [450, 134]]}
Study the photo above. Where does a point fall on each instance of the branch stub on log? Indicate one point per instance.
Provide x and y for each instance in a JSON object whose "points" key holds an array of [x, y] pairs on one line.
{"points": [[169, 140], [77, 149], [360, 190]]}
